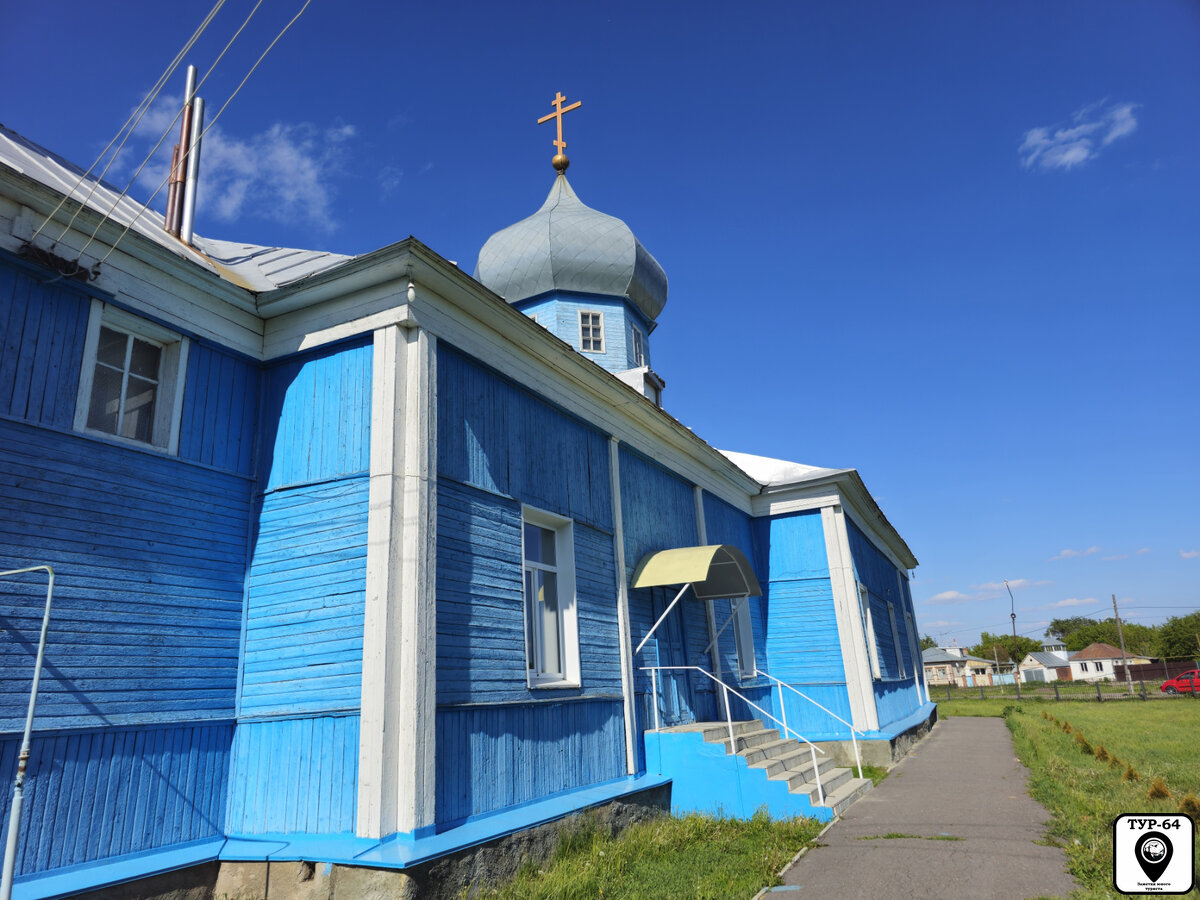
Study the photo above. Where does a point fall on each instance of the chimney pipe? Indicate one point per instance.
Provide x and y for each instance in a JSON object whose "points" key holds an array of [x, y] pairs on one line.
{"points": [[193, 171], [179, 169]]}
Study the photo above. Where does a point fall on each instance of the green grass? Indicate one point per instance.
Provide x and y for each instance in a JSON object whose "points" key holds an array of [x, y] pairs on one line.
{"points": [[1084, 794], [692, 856], [875, 773]]}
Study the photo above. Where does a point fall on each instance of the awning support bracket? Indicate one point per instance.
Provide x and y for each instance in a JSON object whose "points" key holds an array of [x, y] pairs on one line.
{"points": [[716, 637], [666, 612]]}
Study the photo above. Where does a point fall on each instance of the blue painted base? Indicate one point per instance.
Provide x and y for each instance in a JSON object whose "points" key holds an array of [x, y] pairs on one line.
{"points": [[705, 779], [893, 729], [89, 876]]}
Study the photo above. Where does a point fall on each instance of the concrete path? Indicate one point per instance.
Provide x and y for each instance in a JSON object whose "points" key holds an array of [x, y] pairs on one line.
{"points": [[963, 781]]}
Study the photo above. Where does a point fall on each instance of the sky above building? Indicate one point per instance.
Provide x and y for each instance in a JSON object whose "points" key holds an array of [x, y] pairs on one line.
{"points": [[953, 245]]}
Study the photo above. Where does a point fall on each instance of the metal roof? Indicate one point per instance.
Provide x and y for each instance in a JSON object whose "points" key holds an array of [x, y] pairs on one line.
{"points": [[568, 246], [776, 472], [247, 265], [1048, 660], [936, 655]]}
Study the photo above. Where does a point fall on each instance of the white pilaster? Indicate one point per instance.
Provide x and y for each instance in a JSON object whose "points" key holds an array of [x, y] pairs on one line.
{"points": [[853, 639], [714, 651], [397, 728], [614, 475]]}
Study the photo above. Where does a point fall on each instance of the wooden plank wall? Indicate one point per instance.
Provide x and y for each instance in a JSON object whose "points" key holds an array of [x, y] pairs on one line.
{"points": [[895, 697], [494, 756], [42, 329], [101, 793], [294, 775], [500, 446], [219, 423], [305, 597], [803, 642], [150, 562]]}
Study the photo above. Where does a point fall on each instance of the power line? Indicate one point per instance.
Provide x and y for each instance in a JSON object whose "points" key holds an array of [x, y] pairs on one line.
{"points": [[130, 124], [204, 132]]}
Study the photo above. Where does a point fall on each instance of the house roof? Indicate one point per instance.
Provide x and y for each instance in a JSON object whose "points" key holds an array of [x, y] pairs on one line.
{"points": [[1100, 651], [249, 266], [1048, 660], [936, 655]]}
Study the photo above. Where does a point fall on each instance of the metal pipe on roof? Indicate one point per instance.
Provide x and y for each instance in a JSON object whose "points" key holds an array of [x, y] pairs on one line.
{"points": [[188, 220], [179, 170]]}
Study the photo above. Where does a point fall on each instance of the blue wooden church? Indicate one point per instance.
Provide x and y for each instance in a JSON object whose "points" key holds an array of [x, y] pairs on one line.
{"points": [[364, 561]]}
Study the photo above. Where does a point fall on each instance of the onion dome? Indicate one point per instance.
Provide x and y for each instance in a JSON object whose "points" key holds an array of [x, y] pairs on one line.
{"points": [[567, 246]]}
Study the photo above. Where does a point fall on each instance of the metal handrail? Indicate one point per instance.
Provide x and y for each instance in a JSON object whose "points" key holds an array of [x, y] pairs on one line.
{"points": [[783, 712], [14, 817], [813, 749]]}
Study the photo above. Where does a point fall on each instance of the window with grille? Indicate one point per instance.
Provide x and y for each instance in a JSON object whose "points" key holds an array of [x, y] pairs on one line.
{"points": [[591, 332]]}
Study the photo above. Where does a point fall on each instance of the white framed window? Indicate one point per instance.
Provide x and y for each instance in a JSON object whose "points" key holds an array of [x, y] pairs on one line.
{"points": [[551, 622], [900, 667], [639, 347], [1099, 666], [743, 638], [131, 380], [864, 602], [1083, 667], [591, 331]]}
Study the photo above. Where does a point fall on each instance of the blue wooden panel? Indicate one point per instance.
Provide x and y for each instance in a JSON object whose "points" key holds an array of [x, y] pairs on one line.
{"points": [[150, 557], [41, 346], [559, 313], [101, 793], [495, 756], [896, 700], [316, 422], [723, 524], [481, 618], [220, 409], [658, 508], [495, 435], [304, 600], [880, 577], [296, 775], [804, 646]]}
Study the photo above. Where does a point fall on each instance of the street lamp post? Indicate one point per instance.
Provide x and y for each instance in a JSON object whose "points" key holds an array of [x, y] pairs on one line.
{"points": [[1013, 616]]}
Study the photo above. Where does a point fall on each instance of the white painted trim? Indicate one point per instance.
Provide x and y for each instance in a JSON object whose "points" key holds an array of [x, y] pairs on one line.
{"points": [[568, 596], [285, 335], [891, 608], [859, 688], [625, 641], [172, 375], [710, 613], [599, 313], [396, 778]]}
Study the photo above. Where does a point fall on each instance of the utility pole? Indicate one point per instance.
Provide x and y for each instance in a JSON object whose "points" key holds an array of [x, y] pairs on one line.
{"points": [[1121, 636], [1016, 674]]}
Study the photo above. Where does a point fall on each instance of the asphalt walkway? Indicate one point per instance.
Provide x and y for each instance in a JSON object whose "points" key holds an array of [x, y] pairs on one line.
{"points": [[963, 785]]}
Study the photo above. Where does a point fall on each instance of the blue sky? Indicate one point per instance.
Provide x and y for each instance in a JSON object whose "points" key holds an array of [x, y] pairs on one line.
{"points": [[953, 245]]}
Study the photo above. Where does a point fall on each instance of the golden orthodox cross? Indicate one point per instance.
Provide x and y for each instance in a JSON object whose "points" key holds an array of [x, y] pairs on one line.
{"points": [[560, 160]]}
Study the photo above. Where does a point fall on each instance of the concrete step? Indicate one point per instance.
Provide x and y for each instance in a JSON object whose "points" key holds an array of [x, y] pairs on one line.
{"points": [[793, 758], [716, 732], [840, 798], [802, 779]]}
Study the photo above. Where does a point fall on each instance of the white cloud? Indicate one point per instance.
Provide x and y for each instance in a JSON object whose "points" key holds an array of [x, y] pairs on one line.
{"points": [[1189, 554], [949, 597], [1066, 145], [389, 179], [1115, 557], [1015, 583], [284, 173], [1074, 601], [1072, 554], [1143, 551]]}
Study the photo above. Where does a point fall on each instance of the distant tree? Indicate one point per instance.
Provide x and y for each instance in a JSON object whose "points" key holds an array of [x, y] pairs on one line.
{"points": [[991, 646], [1060, 628], [1140, 640], [927, 643], [1177, 637]]}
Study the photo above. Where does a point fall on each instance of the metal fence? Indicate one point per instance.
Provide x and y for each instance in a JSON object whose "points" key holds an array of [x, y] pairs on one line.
{"points": [[1060, 691]]}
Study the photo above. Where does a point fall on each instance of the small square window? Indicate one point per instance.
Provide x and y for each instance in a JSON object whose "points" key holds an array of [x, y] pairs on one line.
{"points": [[131, 382], [591, 332], [551, 626]]}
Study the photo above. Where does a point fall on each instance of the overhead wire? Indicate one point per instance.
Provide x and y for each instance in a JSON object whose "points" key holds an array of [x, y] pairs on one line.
{"points": [[169, 129], [127, 129], [207, 128]]}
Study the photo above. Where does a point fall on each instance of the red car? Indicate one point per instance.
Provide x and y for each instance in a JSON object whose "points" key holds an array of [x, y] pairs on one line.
{"points": [[1181, 683]]}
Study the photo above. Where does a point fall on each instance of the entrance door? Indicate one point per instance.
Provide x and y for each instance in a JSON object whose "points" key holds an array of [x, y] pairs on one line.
{"points": [[676, 700]]}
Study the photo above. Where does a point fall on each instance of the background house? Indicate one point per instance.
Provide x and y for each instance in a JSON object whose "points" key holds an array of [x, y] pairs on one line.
{"points": [[1095, 662], [1048, 664], [953, 665]]}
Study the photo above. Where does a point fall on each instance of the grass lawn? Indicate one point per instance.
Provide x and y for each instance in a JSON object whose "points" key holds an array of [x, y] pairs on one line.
{"points": [[693, 856], [1085, 792]]}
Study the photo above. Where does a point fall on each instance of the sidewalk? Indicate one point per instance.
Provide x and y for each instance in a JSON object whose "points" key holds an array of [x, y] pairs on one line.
{"points": [[963, 781]]}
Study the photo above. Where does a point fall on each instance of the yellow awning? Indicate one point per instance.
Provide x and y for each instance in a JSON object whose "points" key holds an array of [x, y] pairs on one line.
{"points": [[715, 571]]}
